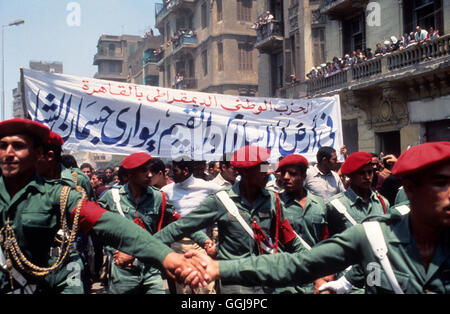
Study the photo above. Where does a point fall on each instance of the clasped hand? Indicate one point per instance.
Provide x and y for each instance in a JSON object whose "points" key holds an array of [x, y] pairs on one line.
{"points": [[192, 269]]}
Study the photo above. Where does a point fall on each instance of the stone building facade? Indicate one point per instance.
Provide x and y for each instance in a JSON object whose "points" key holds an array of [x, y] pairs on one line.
{"points": [[142, 68], [210, 43], [388, 103], [112, 56]]}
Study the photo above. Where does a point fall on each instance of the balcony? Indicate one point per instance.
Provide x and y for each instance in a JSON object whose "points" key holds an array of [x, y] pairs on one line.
{"points": [[414, 63], [104, 57], [187, 83], [337, 9], [150, 69], [184, 43], [171, 6], [269, 38], [110, 76]]}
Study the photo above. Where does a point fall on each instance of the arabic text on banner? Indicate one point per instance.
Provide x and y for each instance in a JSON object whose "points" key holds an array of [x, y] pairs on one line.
{"points": [[119, 118]]}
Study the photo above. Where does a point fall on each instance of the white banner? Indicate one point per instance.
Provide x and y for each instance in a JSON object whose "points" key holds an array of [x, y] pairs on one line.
{"points": [[119, 118]]}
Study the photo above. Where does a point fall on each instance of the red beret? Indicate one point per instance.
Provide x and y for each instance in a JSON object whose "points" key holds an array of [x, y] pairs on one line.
{"points": [[421, 156], [249, 156], [55, 139], [135, 160], [292, 160], [19, 126], [355, 161]]}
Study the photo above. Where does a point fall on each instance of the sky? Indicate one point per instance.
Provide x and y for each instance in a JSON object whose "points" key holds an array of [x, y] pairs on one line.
{"points": [[54, 31]]}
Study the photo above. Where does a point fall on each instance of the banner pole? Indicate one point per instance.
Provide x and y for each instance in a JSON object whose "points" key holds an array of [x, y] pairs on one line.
{"points": [[22, 93]]}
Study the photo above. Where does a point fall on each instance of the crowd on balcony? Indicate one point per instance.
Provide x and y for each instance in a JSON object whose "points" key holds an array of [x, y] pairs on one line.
{"points": [[180, 34], [265, 25], [176, 39], [360, 56]]}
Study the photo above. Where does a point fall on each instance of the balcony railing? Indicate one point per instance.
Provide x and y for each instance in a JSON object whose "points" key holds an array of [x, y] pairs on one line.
{"points": [[186, 83], [383, 65], [269, 37], [161, 10], [184, 40], [429, 50]]}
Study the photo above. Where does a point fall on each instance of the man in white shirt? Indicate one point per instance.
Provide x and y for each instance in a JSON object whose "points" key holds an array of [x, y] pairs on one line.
{"points": [[322, 178], [186, 193], [420, 35]]}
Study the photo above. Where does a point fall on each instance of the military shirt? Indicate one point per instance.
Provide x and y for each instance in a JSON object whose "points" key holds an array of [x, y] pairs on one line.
{"points": [[234, 242], [148, 209], [348, 248], [356, 207], [308, 222], [34, 212], [82, 180]]}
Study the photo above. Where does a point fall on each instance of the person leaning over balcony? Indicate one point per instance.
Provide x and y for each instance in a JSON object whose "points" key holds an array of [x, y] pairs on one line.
{"points": [[420, 35]]}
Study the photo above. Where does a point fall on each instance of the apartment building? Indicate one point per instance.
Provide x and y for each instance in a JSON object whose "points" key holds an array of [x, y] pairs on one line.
{"points": [[210, 44], [142, 68], [112, 56], [388, 102]]}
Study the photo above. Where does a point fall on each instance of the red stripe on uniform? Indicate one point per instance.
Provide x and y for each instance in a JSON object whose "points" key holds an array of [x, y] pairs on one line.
{"points": [[89, 215]]}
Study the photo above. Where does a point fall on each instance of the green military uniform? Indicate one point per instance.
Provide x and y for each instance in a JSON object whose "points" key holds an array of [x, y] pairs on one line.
{"points": [[309, 222], [359, 210], [234, 242], [348, 248], [78, 177], [140, 276], [356, 207], [401, 196], [34, 215], [82, 180]]}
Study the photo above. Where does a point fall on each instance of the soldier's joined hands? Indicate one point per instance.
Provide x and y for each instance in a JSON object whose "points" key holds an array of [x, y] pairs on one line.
{"points": [[192, 269]]}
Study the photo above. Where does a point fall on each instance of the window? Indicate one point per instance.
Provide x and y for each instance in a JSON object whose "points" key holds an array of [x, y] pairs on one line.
{"points": [[426, 13], [168, 34], [245, 57], [220, 56], [318, 38], [132, 48], [205, 62], [112, 50], [354, 34], [219, 10], [114, 68], [204, 15], [244, 10]]}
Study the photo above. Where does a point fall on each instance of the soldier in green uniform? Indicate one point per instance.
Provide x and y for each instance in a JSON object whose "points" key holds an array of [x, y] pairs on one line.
{"points": [[410, 255], [351, 207], [33, 209], [147, 207], [250, 218], [359, 201], [50, 167], [304, 209]]}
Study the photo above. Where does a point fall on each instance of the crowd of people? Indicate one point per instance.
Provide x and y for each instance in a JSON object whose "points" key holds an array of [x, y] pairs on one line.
{"points": [[176, 40], [218, 227], [359, 56]]}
